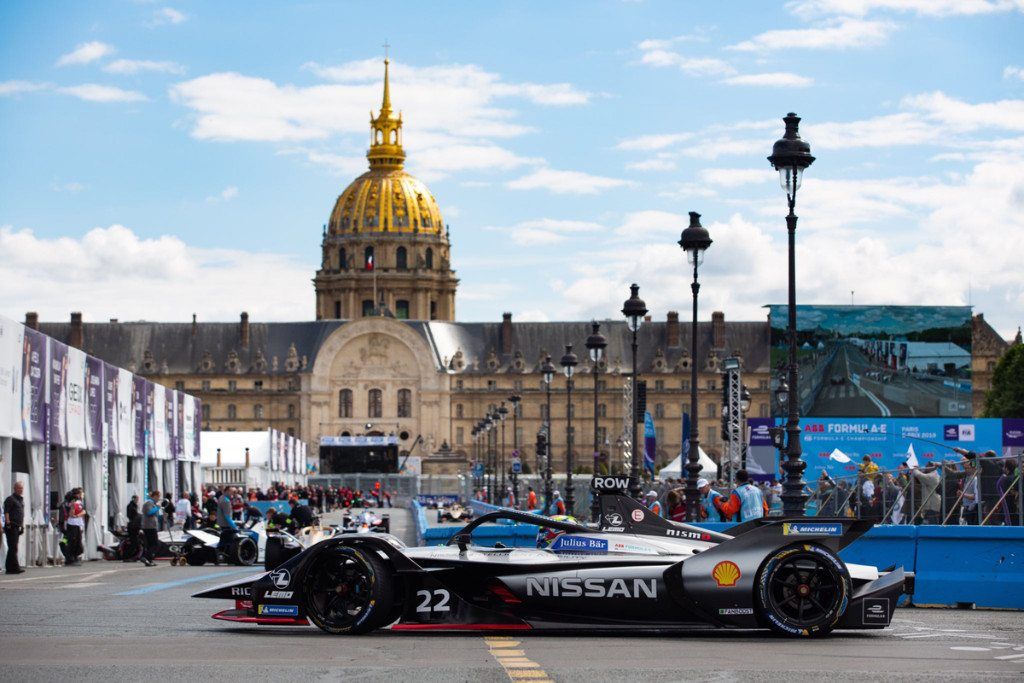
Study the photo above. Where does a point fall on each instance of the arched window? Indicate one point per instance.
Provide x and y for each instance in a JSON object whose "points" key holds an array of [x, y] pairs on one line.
{"points": [[257, 411], [232, 411], [368, 263], [345, 403], [404, 403], [342, 259], [429, 258], [401, 259], [376, 403], [402, 309]]}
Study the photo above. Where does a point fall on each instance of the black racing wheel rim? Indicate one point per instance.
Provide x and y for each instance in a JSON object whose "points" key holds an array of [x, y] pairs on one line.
{"points": [[805, 590], [340, 590], [247, 552]]}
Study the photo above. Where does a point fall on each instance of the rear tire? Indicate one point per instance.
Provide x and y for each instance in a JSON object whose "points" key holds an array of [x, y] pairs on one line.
{"points": [[802, 590], [349, 591], [246, 552]]}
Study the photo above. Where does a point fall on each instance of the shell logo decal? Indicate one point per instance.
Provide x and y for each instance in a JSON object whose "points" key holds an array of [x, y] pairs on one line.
{"points": [[726, 574]]}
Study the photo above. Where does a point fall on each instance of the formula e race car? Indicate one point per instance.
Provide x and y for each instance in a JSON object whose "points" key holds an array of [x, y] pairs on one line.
{"points": [[365, 522], [283, 545], [633, 571], [454, 512], [203, 545]]}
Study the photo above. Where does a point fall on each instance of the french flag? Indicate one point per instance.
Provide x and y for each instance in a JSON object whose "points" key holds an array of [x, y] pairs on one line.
{"points": [[369, 262]]}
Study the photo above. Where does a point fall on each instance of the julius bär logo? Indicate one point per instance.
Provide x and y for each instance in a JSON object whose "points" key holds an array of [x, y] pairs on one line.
{"points": [[726, 574]]}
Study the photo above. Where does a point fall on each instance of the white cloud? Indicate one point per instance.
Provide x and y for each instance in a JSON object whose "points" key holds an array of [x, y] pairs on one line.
{"points": [[226, 195], [130, 67], [736, 177], [532, 315], [86, 53], [648, 143], [840, 34], [72, 187], [776, 79], [93, 92], [167, 15], [933, 8], [658, 54], [656, 164], [113, 272], [1014, 72], [340, 164], [8, 88], [565, 182], [544, 231]]}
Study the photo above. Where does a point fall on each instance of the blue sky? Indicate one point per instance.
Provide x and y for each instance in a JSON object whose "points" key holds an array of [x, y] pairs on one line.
{"points": [[162, 159]]}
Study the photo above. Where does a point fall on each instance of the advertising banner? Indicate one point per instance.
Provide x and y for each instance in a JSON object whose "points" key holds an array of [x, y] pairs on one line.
{"points": [[197, 412], [12, 342], [179, 424], [34, 385], [74, 379], [141, 400], [187, 410], [94, 403], [879, 361], [762, 458], [58, 403], [159, 423], [887, 441], [111, 381], [125, 413]]}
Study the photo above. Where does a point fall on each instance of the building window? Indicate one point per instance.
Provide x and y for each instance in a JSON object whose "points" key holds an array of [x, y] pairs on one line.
{"points": [[232, 385], [206, 385], [763, 410], [430, 258], [401, 259], [291, 431], [659, 411], [404, 403], [685, 385], [206, 412], [712, 410], [517, 385], [402, 309], [345, 403], [257, 411], [602, 410], [342, 259], [459, 436], [492, 385], [258, 385], [293, 384], [458, 410], [180, 386], [659, 385], [375, 399], [337, 310], [602, 437], [367, 308], [368, 258], [711, 384], [602, 385], [458, 385], [291, 411], [712, 435], [991, 366], [232, 411], [433, 310], [763, 385]]}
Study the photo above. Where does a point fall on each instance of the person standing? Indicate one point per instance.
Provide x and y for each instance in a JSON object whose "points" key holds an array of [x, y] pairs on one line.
{"points": [[183, 512], [226, 521], [710, 502], [14, 526], [557, 503], [531, 499], [152, 511], [653, 504], [746, 499], [75, 529]]}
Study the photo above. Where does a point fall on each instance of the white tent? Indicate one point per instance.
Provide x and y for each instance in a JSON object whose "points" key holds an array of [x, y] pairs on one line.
{"points": [[674, 468]]}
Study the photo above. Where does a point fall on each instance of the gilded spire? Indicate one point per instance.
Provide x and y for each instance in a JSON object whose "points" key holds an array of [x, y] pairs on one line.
{"points": [[386, 132]]}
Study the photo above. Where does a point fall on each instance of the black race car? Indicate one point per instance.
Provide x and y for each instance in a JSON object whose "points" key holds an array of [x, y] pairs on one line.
{"points": [[635, 571]]}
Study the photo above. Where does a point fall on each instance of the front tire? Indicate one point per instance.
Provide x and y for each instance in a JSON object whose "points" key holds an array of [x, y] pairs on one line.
{"points": [[349, 591], [802, 590], [246, 552]]}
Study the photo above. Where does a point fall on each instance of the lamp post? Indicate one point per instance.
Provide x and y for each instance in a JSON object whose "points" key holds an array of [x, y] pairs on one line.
{"points": [[596, 344], [634, 309], [744, 409], [547, 370], [490, 420], [472, 433], [790, 156], [568, 362], [502, 414], [514, 399], [695, 240]]}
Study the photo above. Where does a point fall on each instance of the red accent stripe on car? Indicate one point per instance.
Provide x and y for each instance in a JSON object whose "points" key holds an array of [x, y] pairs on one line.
{"points": [[461, 627], [266, 621]]}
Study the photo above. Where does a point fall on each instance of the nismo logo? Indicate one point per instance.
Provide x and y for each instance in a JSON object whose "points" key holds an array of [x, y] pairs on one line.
{"points": [[573, 587]]}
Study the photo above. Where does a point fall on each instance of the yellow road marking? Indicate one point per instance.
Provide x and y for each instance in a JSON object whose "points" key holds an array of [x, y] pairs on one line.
{"points": [[515, 663]]}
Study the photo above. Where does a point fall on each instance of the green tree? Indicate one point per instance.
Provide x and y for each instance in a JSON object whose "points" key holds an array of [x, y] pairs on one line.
{"points": [[1006, 397]]}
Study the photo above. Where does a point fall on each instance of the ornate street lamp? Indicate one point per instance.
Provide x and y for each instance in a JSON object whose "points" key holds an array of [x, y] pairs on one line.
{"points": [[596, 344], [514, 399], [569, 363], [744, 409], [790, 156], [547, 370], [634, 309], [502, 414], [695, 240]]}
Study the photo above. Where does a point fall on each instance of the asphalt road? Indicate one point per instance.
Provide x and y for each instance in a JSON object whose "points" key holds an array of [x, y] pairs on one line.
{"points": [[112, 621]]}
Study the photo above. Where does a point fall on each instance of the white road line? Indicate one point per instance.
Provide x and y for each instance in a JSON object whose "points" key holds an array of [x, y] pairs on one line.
{"points": [[69, 577], [1005, 657]]}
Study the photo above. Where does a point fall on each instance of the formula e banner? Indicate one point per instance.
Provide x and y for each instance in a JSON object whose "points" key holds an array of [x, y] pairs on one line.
{"points": [[34, 385], [885, 441], [142, 402], [159, 422], [12, 341], [94, 403]]}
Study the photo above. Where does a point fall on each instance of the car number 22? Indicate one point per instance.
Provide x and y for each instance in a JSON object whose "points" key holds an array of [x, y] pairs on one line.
{"points": [[433, 601]]}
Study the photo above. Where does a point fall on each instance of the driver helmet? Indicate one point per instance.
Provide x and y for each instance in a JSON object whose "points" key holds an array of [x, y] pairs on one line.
{"points": [[546, 536]]}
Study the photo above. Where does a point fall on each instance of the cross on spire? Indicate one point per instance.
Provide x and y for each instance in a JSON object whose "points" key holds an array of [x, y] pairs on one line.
{"points": [[386, 47]]}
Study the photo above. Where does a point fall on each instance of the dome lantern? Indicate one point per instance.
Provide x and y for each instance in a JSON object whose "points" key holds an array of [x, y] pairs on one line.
{"points": [[386, 132]]}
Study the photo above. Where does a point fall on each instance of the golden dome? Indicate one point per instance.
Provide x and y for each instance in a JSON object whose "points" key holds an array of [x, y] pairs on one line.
{"points": [[386, 198]]}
